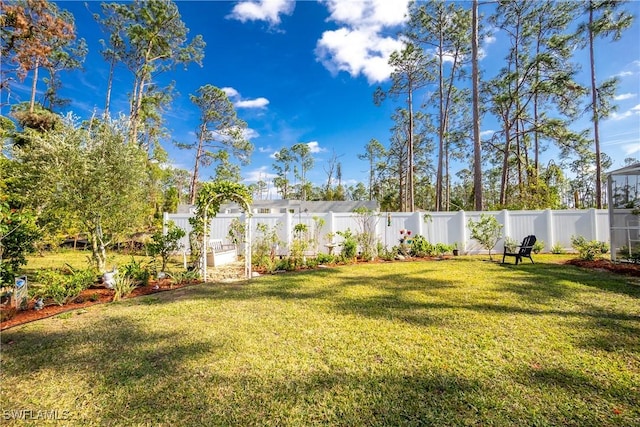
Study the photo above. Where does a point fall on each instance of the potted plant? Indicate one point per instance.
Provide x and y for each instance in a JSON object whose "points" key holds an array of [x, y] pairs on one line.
{"points": [[455, 250]]}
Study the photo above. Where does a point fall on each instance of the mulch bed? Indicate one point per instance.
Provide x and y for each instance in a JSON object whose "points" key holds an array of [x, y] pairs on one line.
{"points": [[605, 264], [88, 297], [100, 295]]}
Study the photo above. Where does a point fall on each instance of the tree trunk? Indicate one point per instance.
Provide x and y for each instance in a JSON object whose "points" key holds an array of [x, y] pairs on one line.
{"points": [[32, 102], [439, 171], [107, 104], [135, 111], [410, 189], [477, 147], [505, 163], [194, 178], [594, 101], [98, 251]]}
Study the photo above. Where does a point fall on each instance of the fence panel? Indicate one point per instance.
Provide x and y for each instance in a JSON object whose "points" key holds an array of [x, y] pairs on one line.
{"points": [[553, 227]]}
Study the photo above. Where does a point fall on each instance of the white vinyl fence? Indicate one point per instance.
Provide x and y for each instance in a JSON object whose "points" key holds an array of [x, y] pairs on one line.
{"points": [[553, 227]]}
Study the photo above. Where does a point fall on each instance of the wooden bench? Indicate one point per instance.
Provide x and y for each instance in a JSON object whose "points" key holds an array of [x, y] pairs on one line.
{"points": [[221, 254]]}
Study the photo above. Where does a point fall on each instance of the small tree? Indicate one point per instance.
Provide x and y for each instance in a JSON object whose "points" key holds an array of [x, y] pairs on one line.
{"points": [[367, 221], [18, 233], [487, 231], [163, 245]]}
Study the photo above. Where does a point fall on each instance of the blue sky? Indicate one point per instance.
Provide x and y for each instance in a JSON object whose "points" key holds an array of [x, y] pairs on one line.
{"points": [[306, 71]]}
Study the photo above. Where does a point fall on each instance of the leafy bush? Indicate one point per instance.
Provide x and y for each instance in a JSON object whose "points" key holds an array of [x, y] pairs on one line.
{"points": [[510, 244], [486, 231], [366, 237], [538, 246], [557, 249], [236, 232], [323, 258], [123, 286], [311, 262], [440, 249], [62, 287], [136, 272], [285, 264], [185, 276], [389, 254], [349, 246], [299, 246], [18, 234], [264, 247], [588, 250], [164, 245], [420, 247]]}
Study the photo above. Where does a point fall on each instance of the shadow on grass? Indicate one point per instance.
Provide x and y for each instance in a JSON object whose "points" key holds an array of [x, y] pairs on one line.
{"points": [[140, 376], [544, 279]]}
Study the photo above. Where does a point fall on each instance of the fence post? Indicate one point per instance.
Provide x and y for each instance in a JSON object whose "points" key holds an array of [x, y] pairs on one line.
{"points": [[165, 222], [417, 217], [463, 231], [287, 228], [594, 223], [507, 225], [550, 234]]}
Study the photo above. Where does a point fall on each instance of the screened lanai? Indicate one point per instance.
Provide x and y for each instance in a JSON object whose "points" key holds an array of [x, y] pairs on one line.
{"points": [[624, 213]]}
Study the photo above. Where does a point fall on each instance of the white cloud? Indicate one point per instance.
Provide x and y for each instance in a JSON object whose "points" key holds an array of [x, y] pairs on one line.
{"points": [[252, 103], [265, 150], [487, 133], [226, 134], [624, 74], [230, 92], [314, 147], [635, 111], [359, 51], [358, 46], [260, 174], [624, 96], [244, 103], [249, 134], [489, 39], [382, 13], [631, 149], [262, 10]]}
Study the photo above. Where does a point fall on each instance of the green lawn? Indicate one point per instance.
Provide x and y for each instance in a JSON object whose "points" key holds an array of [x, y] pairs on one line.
{"points": [[455, 342]]}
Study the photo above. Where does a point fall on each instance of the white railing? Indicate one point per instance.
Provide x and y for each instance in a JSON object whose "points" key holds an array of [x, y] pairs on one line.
{"points": [[553, 227]]}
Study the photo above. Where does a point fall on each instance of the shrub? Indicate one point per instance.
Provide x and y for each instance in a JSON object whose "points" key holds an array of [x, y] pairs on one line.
{"points": [[185, 276], [264, 248], [299, 245], [284, 264], [557, 249], [510, 244], [61, 287], [366, 236], [486, 231], [440, 249], [123, 286], [538, 246], [389, 254], [323, 258], [588, 251], [236, 232], [420, 247], [136, 272], [349, 246], [163, 245]]}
